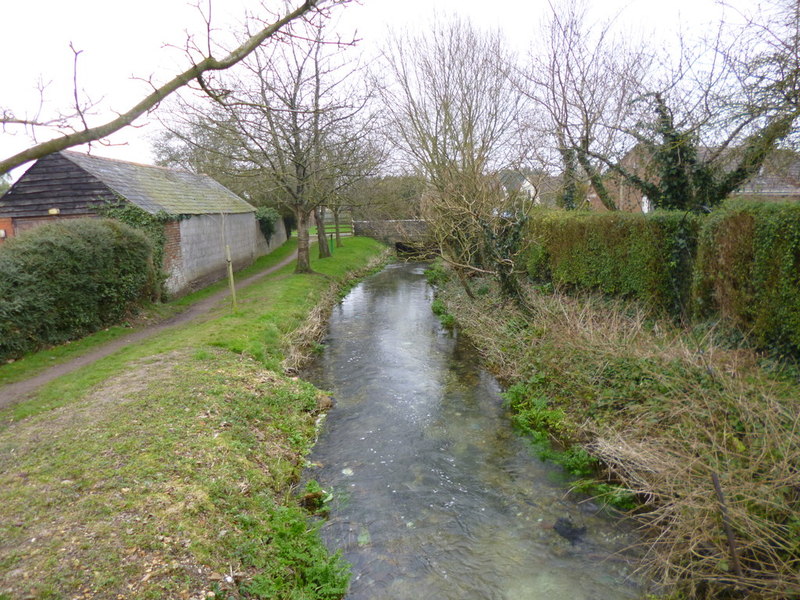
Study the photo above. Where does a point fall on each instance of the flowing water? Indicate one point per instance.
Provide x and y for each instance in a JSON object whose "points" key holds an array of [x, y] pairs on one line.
{"points": [[436, 496]]}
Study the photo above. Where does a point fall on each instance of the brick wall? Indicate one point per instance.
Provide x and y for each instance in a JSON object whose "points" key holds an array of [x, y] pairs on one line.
{"points": [[7, 226], [172, 245], [173, 256], [393, 231], [16, 225]]}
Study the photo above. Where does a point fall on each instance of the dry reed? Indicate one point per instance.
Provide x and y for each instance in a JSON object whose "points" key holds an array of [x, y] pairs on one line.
{"points": [[688, 409]]}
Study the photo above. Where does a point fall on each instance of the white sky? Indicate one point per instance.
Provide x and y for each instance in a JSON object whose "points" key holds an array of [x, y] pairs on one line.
{"points": [[121, 46]]}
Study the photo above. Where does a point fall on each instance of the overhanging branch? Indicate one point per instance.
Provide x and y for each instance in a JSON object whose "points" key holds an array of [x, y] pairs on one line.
{"points": [[195, 72]]}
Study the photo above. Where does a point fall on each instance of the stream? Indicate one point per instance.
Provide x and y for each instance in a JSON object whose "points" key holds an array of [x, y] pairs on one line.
{"points": [[435, 494]]}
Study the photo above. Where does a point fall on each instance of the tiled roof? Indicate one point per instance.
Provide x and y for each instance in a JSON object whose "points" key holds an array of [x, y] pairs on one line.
{"points": [[158, 189]]}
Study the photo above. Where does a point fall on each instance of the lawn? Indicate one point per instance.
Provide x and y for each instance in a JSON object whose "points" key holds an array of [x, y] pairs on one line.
{"points": [[167, 470]]}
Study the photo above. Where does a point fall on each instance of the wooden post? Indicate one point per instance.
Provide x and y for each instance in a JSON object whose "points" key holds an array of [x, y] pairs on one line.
{"points": [[726, 524], [230, 276]]}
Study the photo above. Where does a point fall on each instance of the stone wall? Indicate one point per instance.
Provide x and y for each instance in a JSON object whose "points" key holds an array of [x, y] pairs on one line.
{"points": [[392, 232]]}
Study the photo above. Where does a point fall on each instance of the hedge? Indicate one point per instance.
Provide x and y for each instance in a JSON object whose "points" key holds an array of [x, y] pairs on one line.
{"points": [[647, 257], [66, 279], [748, 271]]}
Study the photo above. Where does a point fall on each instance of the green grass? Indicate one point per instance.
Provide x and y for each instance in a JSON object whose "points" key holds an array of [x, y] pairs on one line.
{"points": [[36, 362], [267, 311], [166, 470]]}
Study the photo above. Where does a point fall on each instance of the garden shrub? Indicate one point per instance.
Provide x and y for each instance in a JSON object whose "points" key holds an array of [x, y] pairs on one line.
{"points": [[152, 226], [647, 257], [69, 278], [267, 217], [748, 271]]}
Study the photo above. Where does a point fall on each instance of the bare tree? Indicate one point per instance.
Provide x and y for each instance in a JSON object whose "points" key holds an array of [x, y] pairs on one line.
{"points": [[74, 129], [291, 122], [206, 142], [583, 80], [457, 117], [686, 135]]}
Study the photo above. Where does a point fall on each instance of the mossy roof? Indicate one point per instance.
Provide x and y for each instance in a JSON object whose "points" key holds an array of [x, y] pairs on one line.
{"points": [[159, 189]]}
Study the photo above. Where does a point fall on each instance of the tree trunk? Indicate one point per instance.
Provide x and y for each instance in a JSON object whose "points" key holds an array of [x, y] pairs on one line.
{"points": [[597, 181], [336, 226], [303, 256], [324, 249], [569, 194]]}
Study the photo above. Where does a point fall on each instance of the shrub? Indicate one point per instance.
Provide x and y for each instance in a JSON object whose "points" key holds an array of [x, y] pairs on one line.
{"points": [[748, 271], [267, 217], [151, 225], [66, 279], [647, 257]]}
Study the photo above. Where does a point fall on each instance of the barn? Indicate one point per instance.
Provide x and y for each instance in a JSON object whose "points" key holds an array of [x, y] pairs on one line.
{"points": [[201, 216]]}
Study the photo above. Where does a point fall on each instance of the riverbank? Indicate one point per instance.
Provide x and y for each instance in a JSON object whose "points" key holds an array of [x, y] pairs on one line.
{"points": [[432, 492], [649, 414], [167, 469]]}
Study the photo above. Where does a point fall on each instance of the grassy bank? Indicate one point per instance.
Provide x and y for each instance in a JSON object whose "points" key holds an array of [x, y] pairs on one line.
{"points": [[166, 470], [648, 415], [35, 363]]}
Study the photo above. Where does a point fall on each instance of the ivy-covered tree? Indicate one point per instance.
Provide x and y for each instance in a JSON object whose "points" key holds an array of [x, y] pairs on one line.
{"points": [[683, 175]]}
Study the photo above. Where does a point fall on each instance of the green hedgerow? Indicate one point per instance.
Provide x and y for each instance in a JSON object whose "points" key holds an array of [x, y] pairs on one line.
{"points": [[748, 271], [646, 257], [66, 279]]}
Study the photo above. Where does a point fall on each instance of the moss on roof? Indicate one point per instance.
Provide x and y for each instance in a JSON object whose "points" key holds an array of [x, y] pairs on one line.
{"points": [[158, 189]]}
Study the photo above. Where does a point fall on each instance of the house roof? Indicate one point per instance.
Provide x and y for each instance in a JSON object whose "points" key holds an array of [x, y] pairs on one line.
{"points": [[158, 189]]}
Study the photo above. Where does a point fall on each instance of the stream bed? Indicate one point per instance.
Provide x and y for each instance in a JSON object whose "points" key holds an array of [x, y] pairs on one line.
{"points": [[435, 494]]}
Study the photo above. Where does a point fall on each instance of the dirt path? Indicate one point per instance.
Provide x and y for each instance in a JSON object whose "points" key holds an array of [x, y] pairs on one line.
{"points": [[16, 392]]}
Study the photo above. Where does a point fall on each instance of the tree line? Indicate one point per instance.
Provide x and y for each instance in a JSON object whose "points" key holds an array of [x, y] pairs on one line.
{"points": [[305, 123]]}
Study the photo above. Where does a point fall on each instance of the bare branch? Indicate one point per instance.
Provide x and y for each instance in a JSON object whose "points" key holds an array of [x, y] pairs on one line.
{"points": [[209, 63]]}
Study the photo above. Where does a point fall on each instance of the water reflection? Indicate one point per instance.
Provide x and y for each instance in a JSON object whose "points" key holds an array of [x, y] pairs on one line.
{"points": [[436, 495]]}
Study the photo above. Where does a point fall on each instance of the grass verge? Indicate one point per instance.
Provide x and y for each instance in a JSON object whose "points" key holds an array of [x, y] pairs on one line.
{"points": [[644, 411], [36, 362], [170, 473]]}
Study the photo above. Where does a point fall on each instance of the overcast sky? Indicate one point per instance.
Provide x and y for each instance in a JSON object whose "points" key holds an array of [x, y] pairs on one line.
{"points": [[122, 48]]}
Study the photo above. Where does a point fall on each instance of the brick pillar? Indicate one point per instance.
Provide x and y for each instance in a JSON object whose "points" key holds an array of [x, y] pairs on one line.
{"points": [[7, 225], [172, 246]]}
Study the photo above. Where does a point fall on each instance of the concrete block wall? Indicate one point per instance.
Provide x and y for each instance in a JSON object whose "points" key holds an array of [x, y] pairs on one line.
{"points": [[202, 249], [278, 238]]}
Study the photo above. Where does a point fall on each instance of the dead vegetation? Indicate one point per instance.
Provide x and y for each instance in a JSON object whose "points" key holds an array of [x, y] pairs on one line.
{"points": [[299, 345], [667, 412]]}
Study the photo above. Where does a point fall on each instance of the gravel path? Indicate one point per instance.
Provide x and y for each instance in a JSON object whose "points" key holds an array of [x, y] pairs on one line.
{"points": [[19, 391]]}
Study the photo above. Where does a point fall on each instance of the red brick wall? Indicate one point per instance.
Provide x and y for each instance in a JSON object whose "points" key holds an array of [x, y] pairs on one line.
{"points": [[8, 226], [15, 226], [172, 246]]}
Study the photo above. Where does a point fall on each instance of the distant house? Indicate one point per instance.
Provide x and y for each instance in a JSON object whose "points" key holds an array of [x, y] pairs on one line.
{"points": [[206, 215], [537, 187], [778, 179]]}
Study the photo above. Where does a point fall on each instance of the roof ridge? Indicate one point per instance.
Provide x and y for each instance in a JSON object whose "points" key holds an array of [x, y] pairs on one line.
{"points": [[131, 162]]}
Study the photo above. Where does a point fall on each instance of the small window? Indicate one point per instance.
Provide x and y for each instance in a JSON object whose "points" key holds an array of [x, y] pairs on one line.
{"points": [[646, 206]]}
